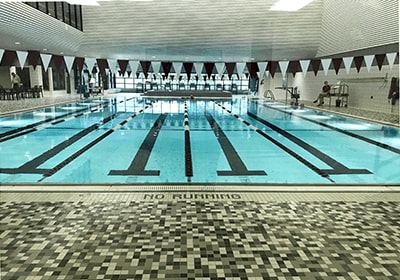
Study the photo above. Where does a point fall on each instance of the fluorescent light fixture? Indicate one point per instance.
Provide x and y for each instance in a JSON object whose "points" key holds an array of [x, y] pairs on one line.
{"points": [[289, 5]]}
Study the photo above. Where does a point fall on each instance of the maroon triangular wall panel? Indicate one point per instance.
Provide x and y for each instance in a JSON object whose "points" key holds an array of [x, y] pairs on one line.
{"points": [[252, 67], [209, 68], [188, 68], [9, 57], [58, 61], [358, 61], [230, 67], [293, 67], [103, 65], [79, 61], [145, 66], [315, 64], [123, 64], [272, 66], [337, 62], [166, 67], [380, 58], [33, 58]]}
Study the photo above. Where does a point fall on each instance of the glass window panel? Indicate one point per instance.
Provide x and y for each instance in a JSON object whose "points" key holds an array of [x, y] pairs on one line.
{"points": [[42, 6], [32, 4], [59, 11], [58, 79], [67, 18], [72, 13], [51, 10], [79, 18]]}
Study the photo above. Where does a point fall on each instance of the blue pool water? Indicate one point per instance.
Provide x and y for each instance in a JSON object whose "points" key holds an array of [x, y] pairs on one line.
{"points": [[129, 139]]}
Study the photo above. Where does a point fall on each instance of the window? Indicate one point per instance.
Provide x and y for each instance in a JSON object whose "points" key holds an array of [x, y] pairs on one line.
{"points": [[66, 8], [42, 7], [70, 14], [59, 11], [51, 10]]}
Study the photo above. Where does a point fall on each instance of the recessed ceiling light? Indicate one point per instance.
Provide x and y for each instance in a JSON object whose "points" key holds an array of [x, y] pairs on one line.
{"points": [[17, 43]]}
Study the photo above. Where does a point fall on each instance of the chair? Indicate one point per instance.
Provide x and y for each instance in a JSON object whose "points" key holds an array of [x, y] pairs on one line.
{"points": [[2, 93], [139, 87], [192, 86], [234, 88], [344, 94], [147, 86], [341, 91]]}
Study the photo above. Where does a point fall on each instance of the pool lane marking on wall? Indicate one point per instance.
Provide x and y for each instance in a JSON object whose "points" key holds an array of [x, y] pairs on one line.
{"points": [[30, 167], [188, 149], [360, 137], [238, 168], [139, 162], [51, 121], [337, 167], [91, 144]]}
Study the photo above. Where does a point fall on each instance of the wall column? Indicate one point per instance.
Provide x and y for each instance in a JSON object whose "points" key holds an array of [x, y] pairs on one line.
{"points": [[50, 76], [35, 75]]}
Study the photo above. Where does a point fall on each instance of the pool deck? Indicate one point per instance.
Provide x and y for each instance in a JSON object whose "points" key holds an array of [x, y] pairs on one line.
{"points": [[13, 106], [198, 232]]}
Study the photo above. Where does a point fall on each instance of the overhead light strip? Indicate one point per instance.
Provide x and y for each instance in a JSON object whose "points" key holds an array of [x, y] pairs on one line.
{"points": [[289, 5]]}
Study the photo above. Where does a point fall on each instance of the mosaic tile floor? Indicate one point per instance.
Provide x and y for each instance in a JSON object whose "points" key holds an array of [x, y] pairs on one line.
{"points": [[208, 235]]}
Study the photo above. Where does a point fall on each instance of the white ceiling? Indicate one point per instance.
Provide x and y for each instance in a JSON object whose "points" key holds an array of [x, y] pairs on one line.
{"points": [[196, 30], [207, 30]]}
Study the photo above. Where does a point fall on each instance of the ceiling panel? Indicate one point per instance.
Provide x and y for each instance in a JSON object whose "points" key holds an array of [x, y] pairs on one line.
{"points": [[201, 30], [206, 30]]}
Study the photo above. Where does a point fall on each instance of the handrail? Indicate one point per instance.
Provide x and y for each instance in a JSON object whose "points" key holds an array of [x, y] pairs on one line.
{"points": [[383, 79], [268, 94]]}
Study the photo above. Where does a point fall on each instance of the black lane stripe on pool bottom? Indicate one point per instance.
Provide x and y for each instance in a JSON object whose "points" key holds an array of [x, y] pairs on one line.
{"points": [[238, 168], [53, 121], [30, 167], [337, 167], [277, 143], [78, 153], [352, 134], [139, 162]]}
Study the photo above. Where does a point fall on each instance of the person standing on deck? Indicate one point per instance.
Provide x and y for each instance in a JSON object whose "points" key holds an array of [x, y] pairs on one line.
{"points": [[15, 81]]}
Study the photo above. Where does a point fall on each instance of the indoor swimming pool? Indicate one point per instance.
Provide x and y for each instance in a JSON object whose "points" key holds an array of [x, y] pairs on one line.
{"points": [[137, 140]]}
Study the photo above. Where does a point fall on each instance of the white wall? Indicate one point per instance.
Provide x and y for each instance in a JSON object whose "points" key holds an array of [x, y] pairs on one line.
{"points": [[5, 79], [364, 94]]}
